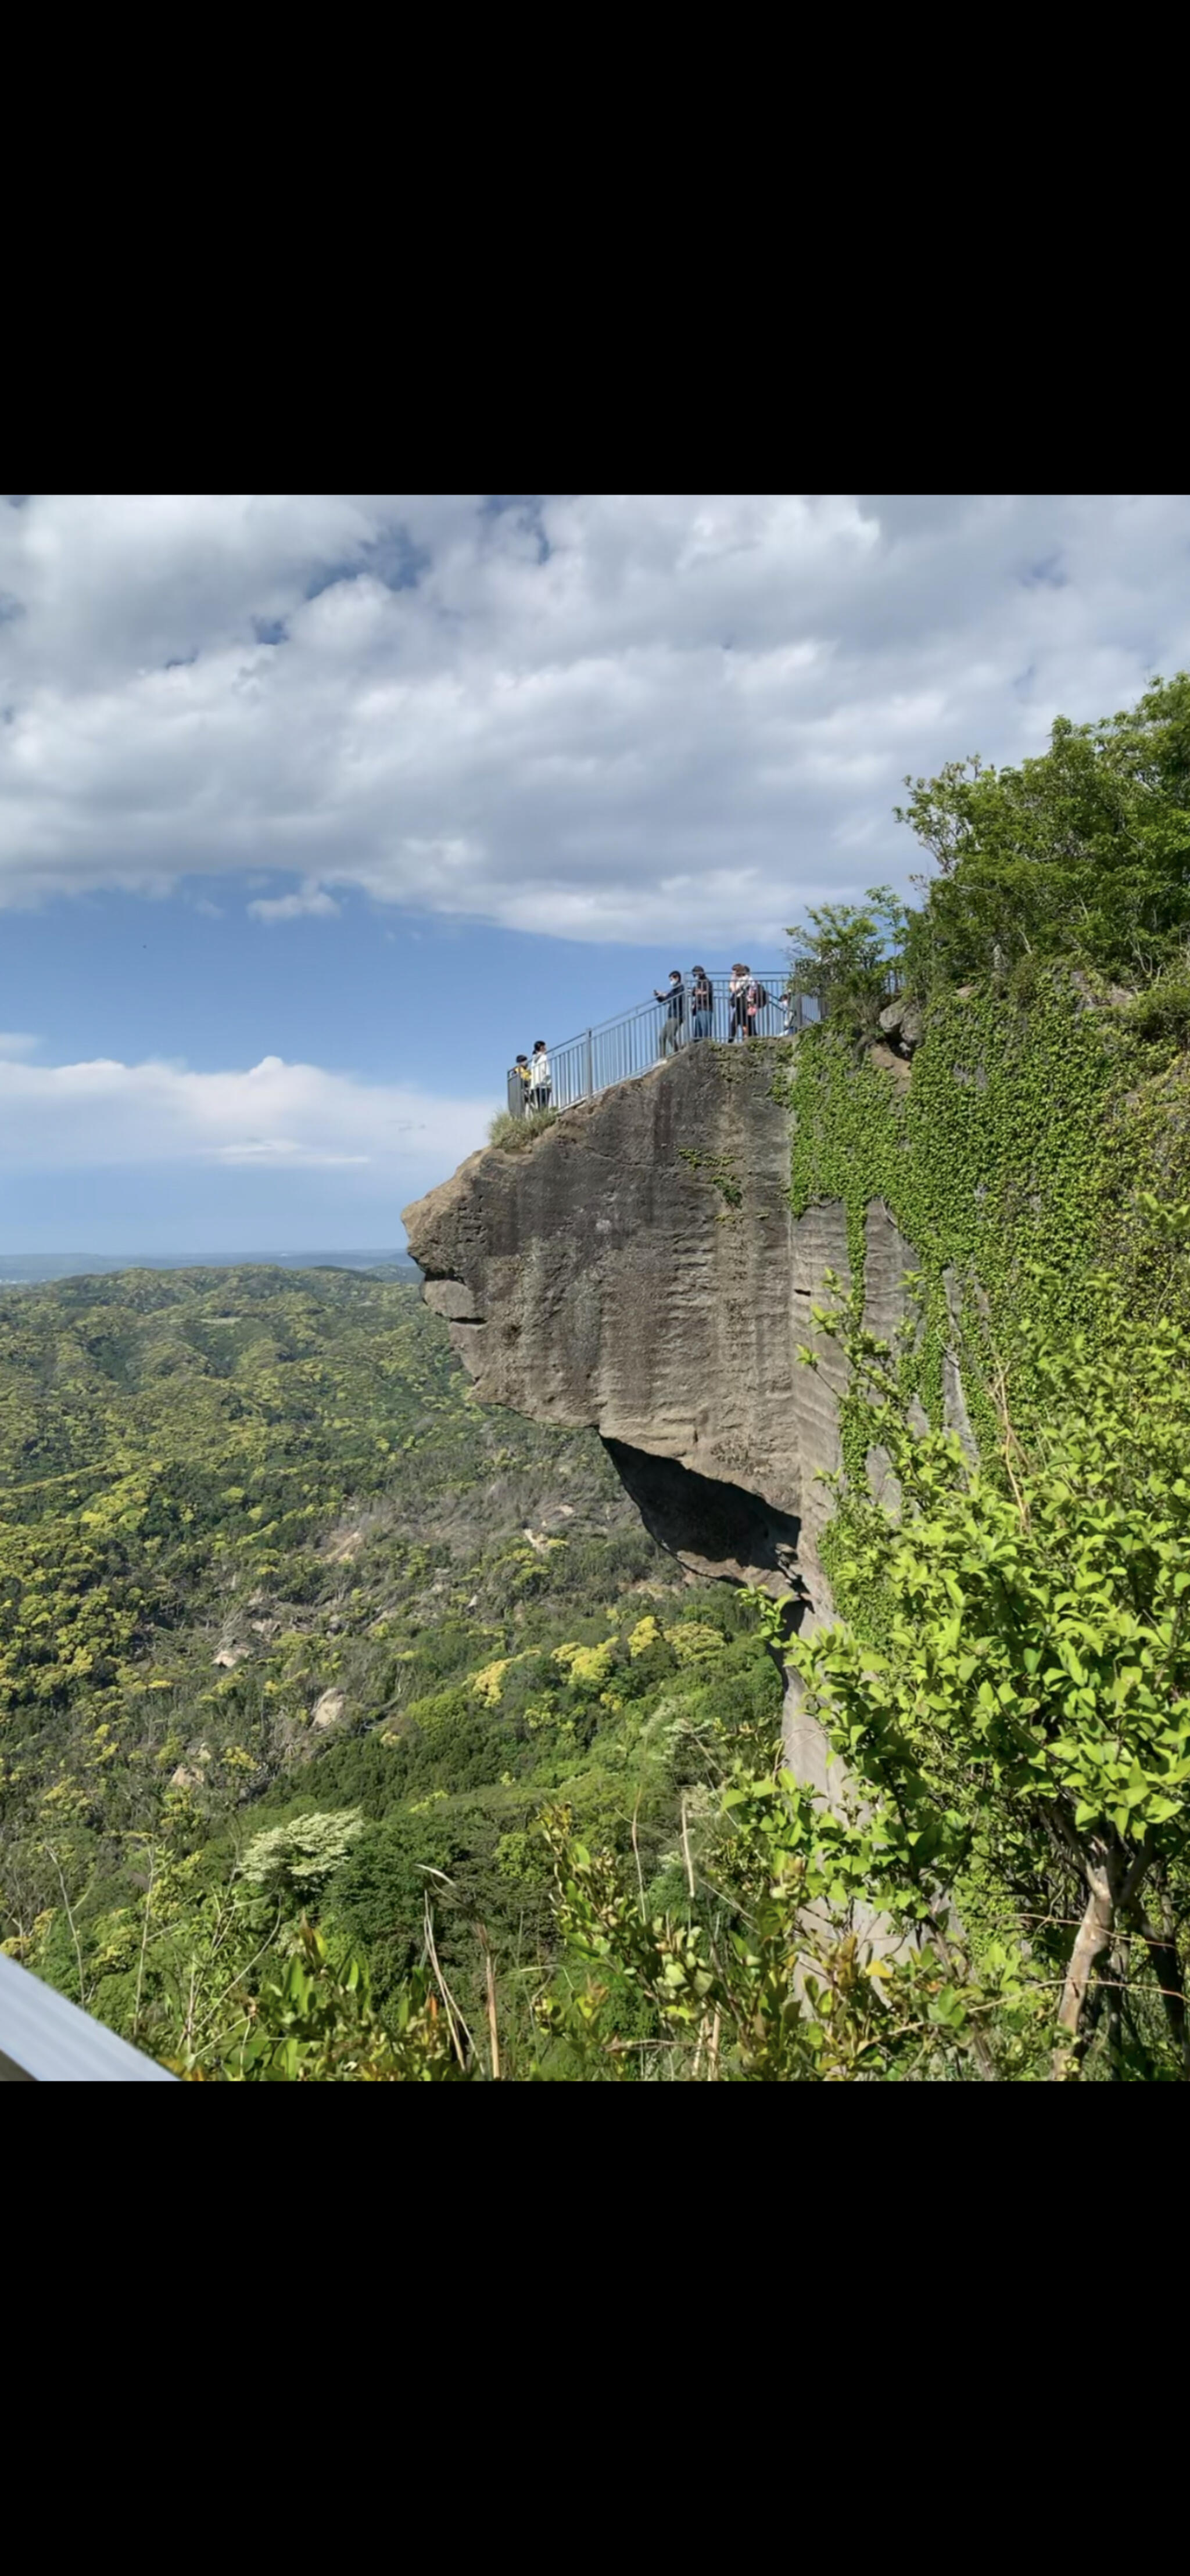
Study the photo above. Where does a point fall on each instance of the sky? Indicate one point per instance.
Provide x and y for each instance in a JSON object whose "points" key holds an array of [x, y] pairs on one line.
{"points": [[314, 809]]}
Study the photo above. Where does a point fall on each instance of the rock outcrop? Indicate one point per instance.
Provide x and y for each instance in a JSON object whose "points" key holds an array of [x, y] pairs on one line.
{"points": [[638, 1269]]}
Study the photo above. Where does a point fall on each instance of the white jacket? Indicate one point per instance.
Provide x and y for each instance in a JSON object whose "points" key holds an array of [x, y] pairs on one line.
{"points": [[540, 1077]]}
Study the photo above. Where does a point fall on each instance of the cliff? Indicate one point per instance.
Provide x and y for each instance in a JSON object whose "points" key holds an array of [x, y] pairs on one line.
{"points": [[649, 1264], [639, 1269]]}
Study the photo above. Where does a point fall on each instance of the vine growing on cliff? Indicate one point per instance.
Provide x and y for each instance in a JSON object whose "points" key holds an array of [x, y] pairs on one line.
{"points": [[1005, 1149], [1031, 1697]]}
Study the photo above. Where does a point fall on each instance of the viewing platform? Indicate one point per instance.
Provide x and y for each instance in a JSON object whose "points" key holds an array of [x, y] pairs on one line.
{"points": [[637, 1039]]}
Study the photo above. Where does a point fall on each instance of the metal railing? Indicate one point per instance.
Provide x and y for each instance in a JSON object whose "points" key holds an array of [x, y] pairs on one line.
{"points": [[44, 2039], [632, 1043]]}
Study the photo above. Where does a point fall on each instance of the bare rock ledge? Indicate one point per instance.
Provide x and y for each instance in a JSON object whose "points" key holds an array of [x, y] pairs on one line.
{"points": [[638, 1270]]}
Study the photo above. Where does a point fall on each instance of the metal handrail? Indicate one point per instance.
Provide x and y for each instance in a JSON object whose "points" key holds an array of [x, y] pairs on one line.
{"points": [[45, 2039], [620, 1049]]}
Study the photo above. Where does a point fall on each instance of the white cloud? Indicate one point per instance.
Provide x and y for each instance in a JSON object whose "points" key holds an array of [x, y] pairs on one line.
{"points": [[608, 716], [273, 1117], [16, 1042], [289, 907], [280, 1149]]}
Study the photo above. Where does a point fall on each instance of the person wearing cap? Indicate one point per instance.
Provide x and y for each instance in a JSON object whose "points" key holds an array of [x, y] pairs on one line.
{"points": [[702, 1003], [675, 1010]]}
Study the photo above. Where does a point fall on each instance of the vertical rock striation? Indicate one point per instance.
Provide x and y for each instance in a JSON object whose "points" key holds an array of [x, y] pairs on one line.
{"points": [[638, 1269]]}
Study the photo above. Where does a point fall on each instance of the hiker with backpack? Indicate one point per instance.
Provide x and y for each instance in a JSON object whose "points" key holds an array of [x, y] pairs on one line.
{"points": [[702, 1003], [675, 1011], [737, 1003], [540, 1077]]}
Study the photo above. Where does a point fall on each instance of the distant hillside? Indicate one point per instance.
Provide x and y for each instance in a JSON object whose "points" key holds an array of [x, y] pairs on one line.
{"points": [[24, 1269], [267, 1570]]}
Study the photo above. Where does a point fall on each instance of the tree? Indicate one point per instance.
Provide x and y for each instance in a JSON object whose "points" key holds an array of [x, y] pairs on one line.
{"points": [[1024, 1684], [1082, 852], [300, 1856], [843, 956]]}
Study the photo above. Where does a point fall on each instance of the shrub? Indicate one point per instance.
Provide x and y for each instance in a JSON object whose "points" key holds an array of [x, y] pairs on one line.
{"points": [[1162, 1010], [515, 1135]]}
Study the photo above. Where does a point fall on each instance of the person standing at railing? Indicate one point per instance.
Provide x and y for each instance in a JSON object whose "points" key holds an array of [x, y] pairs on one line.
{"points": [[737, 1003], [702, 1003], [524, 1078], [756, 1000], [675, 1010], [541, 1081]]}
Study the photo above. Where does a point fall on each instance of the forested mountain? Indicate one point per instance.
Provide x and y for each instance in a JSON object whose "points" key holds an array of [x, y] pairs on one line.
{"points": [[291, 1626]]}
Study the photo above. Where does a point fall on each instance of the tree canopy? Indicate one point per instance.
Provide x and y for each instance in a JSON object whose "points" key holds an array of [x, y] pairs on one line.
{"points": [[1081, 852]]}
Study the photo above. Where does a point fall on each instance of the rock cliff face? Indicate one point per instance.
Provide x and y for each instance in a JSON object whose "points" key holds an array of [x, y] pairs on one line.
{"points": [[638, 1269]]}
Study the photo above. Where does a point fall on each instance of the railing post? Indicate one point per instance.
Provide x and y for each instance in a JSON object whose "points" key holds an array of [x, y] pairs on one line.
{"points": [[587, 1063]]}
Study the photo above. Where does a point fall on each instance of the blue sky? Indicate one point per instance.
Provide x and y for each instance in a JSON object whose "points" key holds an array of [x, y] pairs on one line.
{"points": [[115, 975], [387, 998], [313, 809]]}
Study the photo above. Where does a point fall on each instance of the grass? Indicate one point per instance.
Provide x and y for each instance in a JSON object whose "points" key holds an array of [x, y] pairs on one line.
{"points": [[515, 1135]]}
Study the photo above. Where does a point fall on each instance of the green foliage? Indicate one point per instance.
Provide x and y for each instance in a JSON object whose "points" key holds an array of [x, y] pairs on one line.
{"points": [[1009, 1687], [1020, 1744], [1005, 1150], [1034, 1686], [425, 1611], [1082, 853], [843, 953], [316, 2023], [515, 1135], [1160, 1013], [768, 1974], [300, 1856]]}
